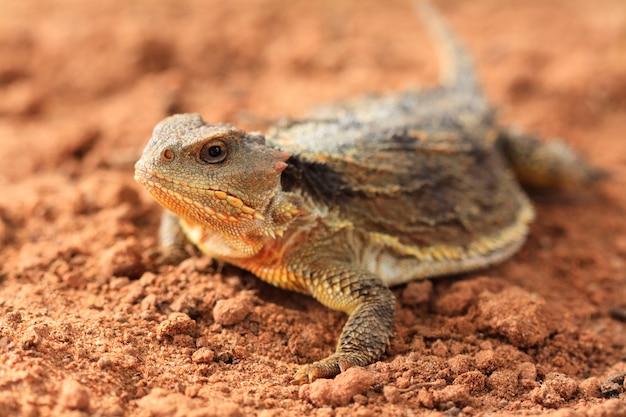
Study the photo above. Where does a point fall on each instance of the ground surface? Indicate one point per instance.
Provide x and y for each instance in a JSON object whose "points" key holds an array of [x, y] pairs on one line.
{"points": [[88, 326]]}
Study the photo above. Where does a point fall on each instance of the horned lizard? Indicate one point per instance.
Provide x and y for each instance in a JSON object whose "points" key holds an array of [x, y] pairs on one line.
{"points": [[358, 196]]}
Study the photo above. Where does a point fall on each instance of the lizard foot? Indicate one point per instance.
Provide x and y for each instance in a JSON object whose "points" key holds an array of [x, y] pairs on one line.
{"points": [[329, 367], [168, 256]]}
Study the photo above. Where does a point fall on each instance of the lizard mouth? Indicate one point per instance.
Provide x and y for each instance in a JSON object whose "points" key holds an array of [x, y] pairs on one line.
{"points": [[183, 198]]}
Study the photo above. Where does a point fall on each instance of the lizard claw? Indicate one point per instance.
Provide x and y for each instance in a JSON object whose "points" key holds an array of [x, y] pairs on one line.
{"points": [[328, 367]]}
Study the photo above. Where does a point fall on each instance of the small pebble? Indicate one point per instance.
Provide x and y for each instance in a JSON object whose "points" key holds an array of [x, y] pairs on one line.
{"points": [[231, 311], [203, 355], [392, 394], [176, 324]]}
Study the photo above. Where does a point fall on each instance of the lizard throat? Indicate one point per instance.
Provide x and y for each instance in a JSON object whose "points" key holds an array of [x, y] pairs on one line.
{"points": [[185, 200]]}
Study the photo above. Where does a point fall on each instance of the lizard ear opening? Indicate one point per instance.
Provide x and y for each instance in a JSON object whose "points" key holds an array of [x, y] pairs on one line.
{"points": [[257, 137]]}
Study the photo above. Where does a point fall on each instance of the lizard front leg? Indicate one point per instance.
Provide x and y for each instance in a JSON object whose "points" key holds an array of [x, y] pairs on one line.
{"points": [[172, 240], [370, 306]]}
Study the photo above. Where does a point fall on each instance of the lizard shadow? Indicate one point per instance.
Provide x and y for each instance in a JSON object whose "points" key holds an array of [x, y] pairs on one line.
{"points": [[270, 294]]}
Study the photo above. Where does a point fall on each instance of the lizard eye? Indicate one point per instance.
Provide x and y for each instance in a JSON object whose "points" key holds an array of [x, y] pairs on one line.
{"points": [[213, 152]]}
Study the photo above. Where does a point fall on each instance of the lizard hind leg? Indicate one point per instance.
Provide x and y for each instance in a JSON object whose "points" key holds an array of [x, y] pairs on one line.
{"points": [[546, 165], [365, 336]]}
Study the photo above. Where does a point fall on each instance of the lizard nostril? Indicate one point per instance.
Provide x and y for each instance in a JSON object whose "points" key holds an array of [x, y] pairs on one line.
{"points": [[167, 155]]}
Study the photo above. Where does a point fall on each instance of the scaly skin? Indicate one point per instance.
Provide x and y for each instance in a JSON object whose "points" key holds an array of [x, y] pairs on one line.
{"points": [[358, 197]]}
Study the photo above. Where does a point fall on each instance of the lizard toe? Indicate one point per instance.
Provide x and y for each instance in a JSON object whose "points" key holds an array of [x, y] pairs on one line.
{"points": [[329, 367]]}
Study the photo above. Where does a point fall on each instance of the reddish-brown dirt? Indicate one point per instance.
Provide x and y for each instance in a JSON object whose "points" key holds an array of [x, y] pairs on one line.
{"points": [[88, 326]]}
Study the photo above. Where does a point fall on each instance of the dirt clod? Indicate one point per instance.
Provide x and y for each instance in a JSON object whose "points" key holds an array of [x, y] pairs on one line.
{"points": [[74, 396], [530, 325], [554, 391], [455, 394], [339, 391]]}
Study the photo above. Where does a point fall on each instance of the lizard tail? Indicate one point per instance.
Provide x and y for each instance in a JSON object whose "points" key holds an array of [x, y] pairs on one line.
{"points": [[457, 67]]}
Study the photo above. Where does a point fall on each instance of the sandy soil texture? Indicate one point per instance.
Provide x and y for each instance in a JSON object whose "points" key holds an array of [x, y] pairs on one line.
{"points": [[88, 325]]}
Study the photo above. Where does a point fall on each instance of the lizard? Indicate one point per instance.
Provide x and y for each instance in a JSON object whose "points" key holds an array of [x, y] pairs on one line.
{"points": [[357, 196]]}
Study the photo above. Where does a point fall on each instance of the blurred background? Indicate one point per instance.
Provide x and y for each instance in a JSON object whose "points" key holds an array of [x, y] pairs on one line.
{"points": [[82, 83]]}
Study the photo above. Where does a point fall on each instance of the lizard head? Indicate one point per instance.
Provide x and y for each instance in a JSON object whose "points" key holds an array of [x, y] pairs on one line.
{"points": [[216, 176]]}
